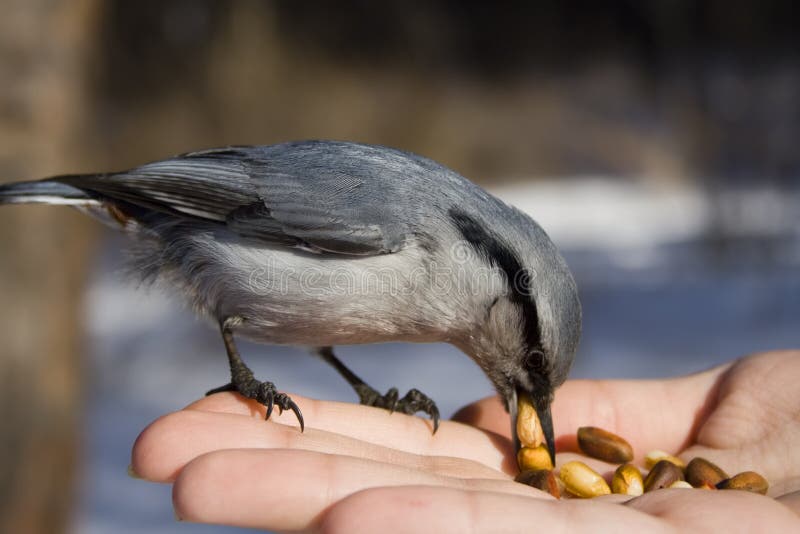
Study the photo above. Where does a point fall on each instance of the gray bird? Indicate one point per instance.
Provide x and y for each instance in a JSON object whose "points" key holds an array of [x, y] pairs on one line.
{"points": [[322, 243]]}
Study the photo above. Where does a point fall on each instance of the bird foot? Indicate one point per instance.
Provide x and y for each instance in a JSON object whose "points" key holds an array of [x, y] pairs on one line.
{"points": [[414, 401], [264, 393]]}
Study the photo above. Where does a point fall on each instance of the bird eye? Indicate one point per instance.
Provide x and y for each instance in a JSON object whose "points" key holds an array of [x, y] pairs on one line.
{"points": [[535, 361]]}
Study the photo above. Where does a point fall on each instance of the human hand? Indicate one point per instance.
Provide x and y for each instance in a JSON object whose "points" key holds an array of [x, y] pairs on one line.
{"points": [[363, 469]]}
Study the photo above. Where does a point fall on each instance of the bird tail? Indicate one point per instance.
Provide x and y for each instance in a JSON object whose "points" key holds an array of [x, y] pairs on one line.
{"points": [[49, 191]]}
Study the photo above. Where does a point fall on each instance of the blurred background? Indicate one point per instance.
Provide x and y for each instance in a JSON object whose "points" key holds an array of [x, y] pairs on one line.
{"points": [[655, 141]]}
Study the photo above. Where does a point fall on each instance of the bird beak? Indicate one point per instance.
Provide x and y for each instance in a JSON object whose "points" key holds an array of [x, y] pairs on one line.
{"points": [[542, 406]]}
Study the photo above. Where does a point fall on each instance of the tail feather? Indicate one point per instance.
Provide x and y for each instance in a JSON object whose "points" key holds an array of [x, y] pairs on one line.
{"points": [[43, 192]]}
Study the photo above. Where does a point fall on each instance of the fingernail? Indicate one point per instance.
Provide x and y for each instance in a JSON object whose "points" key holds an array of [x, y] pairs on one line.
{"points": [[132, 472], [177, 517]]}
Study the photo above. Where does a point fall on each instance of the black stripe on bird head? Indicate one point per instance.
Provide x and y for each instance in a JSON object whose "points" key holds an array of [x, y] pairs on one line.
{"points": [[519, 280]]}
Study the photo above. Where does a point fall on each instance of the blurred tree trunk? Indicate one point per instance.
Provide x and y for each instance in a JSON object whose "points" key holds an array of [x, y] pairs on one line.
{"points": [[43, 258]]}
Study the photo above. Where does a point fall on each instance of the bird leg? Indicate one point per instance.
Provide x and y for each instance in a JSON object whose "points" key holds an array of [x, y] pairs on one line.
{"points": [[414, 401], [243, 381]]}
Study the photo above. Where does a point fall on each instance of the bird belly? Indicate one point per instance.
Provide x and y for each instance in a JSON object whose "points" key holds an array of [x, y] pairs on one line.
{"points": [[292, 297]]}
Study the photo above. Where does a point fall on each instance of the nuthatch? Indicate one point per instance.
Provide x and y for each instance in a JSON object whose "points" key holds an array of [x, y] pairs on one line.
{"points": [[322, 243]]}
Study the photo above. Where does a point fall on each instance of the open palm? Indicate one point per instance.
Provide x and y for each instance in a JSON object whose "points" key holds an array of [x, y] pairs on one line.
{"points": [[360, 469]]}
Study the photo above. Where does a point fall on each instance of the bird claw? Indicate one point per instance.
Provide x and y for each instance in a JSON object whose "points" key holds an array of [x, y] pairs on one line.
{"points": [[296, 409], [264, 393], [391, 399], [433, 412], [227, 387], [284, 402], [267, 397], [414, 401]]}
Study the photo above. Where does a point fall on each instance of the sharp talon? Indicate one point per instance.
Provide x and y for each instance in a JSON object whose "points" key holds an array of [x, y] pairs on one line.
{"points": [[296, 410], [270, 403], [226, 387], [392, 399], [414, 401]]}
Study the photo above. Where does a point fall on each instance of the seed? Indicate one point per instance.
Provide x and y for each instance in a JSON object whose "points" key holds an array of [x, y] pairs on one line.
{"points": [[582, 481], [534, 458], [680, 484], [627, 480], [653, 457], [529, 428], [701, 472], [542, 479], [604, 445], [663, 474], [748, 481], [562, 489]]}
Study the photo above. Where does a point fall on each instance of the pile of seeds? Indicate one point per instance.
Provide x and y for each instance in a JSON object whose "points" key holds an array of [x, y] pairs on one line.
{"points": [[576, 479]]}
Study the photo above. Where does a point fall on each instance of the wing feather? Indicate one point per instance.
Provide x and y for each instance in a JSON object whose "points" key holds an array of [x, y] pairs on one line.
{"points": [[315, 195]]}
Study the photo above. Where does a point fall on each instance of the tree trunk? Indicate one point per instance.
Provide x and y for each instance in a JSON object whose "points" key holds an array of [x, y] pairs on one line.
{"points": [[43, 258]]}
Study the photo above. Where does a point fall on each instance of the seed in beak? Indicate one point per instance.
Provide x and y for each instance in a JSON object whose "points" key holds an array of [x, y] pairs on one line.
{"points": [[534, 458], [529, 427]]}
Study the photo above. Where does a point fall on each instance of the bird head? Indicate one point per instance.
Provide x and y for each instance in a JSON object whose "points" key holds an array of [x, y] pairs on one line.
{"points": [[527, 338]]}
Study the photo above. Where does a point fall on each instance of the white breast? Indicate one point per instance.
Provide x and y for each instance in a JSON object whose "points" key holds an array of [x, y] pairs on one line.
{"points": [[300, 298]]}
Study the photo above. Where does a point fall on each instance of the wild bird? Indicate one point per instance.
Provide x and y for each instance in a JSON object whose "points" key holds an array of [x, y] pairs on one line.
{"points": [[323, 243]]}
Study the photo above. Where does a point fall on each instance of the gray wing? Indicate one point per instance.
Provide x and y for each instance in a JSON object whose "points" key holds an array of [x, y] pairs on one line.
{"points": [[321, 200]]}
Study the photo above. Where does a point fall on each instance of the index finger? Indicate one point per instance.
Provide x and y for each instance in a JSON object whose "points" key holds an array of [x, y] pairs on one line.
{"points": [[379, 427]]}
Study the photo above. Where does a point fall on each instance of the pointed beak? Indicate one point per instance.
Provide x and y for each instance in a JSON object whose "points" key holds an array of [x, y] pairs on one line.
{"points": [[542, 406]]}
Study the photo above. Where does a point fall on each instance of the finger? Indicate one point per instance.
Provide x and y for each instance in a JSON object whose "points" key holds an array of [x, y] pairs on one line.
{"points": [[445, 510], [717, 511], [376, 425], [290, 489], [791, 501], [650, 414], [167, 445]]}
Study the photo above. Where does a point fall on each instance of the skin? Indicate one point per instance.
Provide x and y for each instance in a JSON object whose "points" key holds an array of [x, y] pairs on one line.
{"points": [[361, 469]]}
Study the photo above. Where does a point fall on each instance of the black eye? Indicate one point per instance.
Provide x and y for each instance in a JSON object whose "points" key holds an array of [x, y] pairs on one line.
{"points": [[535, 361]]}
